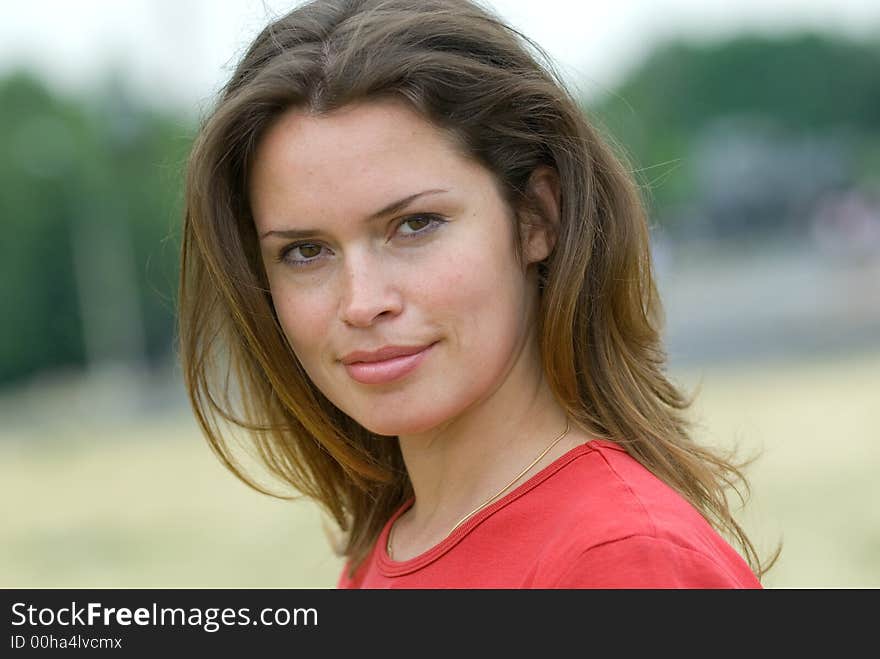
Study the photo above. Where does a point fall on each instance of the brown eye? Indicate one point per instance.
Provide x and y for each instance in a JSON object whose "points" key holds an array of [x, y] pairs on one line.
{"points": [[418, 225], [302, 254], [309, 251]]}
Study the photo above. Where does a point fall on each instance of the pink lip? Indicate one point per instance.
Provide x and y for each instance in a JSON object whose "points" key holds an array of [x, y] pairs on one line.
{"points": [[385, 365]]}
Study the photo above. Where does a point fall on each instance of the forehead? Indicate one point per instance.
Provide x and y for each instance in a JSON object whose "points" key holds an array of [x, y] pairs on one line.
{"points": [[378, 125], [361, 154]]}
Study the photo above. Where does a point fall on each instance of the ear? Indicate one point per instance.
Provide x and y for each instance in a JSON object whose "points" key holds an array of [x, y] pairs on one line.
{"points": [[540, 227]]}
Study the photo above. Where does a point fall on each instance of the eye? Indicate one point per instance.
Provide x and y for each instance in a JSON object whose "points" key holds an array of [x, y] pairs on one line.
{"points": [[416, 225], [300, 254]]}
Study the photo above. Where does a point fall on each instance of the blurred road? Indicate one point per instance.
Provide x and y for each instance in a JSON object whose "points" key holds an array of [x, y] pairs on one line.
{"points": [[786, 303]]}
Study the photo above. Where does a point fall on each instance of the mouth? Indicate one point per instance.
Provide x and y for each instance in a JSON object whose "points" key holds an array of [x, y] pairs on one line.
{"points": [[385, 365]]}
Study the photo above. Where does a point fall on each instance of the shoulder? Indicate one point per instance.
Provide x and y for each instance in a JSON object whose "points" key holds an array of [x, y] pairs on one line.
{"points": [[609, 493], [652, 562], [621, 526]]}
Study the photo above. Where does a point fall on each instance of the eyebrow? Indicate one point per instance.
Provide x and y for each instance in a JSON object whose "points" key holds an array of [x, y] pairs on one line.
{"points": [[391, 208]]}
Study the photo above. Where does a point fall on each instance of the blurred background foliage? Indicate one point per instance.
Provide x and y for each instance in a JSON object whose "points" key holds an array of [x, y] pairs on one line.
{"points": [[760, 161], [91, 207], [741, 139]]}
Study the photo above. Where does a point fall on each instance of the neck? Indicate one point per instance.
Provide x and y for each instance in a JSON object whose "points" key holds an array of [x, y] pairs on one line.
{"points": [[457, 467]]}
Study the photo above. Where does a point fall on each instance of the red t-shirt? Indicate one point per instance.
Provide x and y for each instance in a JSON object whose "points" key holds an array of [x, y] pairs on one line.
{"points": [[594, 518]]}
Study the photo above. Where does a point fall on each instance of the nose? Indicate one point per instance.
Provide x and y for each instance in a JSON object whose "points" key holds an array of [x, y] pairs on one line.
{"points": [[370, 291]]}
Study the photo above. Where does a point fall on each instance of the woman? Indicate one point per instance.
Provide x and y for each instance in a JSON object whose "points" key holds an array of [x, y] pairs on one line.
{"points": [[419, 279]]}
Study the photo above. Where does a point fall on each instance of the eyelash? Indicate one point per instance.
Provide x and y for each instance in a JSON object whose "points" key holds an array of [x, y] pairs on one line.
{"points": [[434, 222]]}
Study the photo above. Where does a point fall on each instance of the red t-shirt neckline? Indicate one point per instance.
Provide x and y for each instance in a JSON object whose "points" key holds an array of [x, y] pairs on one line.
{"points": [[391, 568]]}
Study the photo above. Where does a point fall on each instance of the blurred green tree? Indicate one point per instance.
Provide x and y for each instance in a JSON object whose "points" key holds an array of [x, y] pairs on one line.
{"points": [[794, 86], [91, 204]]}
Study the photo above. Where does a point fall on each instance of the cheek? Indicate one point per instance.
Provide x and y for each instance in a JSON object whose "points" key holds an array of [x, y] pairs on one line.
{"points": [[478, 289], [305, 315]]}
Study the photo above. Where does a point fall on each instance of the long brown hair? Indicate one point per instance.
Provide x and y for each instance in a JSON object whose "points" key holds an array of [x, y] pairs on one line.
{"points": [[498, 95]]}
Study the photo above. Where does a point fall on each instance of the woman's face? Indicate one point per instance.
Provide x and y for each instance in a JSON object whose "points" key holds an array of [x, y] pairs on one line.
{"points": [[391, 263]]}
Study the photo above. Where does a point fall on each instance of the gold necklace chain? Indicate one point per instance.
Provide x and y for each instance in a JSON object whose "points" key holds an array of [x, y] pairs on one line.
{"points": [[497, 494]]}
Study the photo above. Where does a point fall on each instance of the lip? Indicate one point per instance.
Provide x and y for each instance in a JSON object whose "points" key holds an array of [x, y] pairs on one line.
{"points": [[385, 365]]}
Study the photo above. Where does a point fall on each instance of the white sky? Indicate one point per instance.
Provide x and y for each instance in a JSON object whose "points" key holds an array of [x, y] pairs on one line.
{"points": [[186, 48]]}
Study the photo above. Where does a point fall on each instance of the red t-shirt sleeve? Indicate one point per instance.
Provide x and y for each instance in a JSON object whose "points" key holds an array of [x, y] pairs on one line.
{"points": [[649, 562]]}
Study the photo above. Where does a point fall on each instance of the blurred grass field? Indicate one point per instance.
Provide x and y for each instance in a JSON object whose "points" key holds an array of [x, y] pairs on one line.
{"points": [[119, 505]]}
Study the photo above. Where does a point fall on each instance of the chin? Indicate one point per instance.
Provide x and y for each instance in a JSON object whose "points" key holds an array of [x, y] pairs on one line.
{"points": [[394, 424], [394, 427]]}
